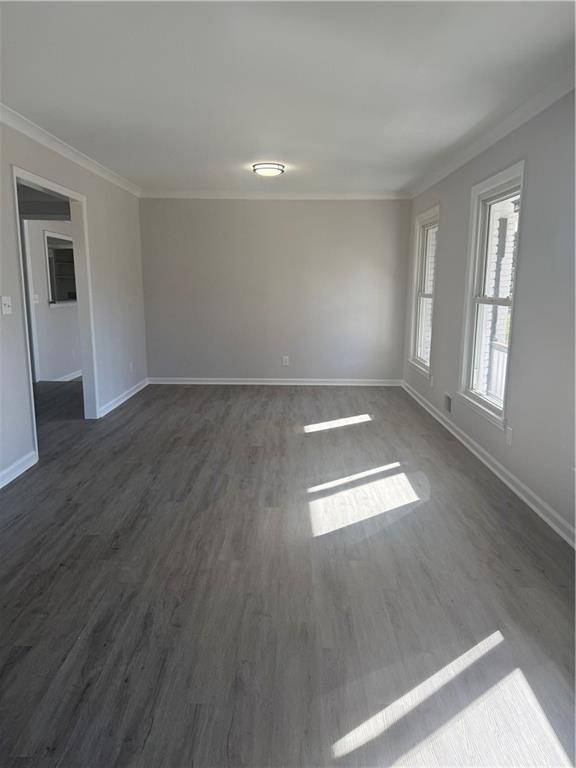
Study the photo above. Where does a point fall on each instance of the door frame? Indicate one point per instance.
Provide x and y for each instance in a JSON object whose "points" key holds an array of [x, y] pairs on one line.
{"points": [[29, 306], [84, 299]]}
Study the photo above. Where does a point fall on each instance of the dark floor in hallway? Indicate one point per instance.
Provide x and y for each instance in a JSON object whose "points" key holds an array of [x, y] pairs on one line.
{"points": [[219, 576], [55, 402]]}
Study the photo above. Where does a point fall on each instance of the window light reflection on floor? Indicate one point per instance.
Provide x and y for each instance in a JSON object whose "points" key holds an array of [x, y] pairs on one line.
{"points": [[353, 505], [353, 478], [375, 726], [505, 725], [335, 423]]}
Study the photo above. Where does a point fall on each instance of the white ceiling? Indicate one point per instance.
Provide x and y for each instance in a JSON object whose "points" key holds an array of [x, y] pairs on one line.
{"points": [[358, 99]]}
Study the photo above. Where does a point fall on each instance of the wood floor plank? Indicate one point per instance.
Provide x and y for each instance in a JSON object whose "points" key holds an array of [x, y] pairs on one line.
{"points": [[197, 580]]}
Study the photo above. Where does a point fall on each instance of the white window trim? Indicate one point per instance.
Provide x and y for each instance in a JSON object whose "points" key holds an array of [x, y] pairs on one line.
{"points": [[55, 304], [425, 219], [500, 182]]}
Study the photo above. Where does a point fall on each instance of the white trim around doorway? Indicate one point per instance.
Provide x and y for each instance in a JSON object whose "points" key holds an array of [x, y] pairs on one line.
{"points": [[88, 346]]}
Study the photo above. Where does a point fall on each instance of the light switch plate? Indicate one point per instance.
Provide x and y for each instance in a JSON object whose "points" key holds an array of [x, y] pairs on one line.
{"points": [[6, 305]]}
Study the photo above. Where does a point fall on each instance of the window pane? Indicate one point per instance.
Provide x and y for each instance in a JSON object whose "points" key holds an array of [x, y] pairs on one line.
{"points": [[424, 330], [501, 247], [61, 270], [430, 237], [491, 352]]}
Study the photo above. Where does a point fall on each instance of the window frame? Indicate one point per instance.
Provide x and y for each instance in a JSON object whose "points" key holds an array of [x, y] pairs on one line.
{"points": [[52, 303], [423, 221], [498, 187]]}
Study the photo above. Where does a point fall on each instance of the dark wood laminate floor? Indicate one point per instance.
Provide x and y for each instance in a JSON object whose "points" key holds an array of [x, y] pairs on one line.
{"points": [[56, 402], [196, 580]]}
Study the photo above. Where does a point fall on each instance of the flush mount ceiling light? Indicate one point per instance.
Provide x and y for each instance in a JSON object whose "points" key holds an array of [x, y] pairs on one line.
{"points": [[268, 169]]}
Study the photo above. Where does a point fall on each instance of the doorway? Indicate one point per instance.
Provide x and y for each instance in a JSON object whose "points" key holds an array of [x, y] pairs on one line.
{"points": [[57, 300]]}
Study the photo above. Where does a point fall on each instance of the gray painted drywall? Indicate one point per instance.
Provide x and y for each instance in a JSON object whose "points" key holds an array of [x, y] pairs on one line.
{"points": [[231, 286], [114, 241], [541, 373], [57, 327]]}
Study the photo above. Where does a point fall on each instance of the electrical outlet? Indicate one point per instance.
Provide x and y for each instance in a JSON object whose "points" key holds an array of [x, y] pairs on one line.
{"points": [[508, 436], [36, 299], [6, 305], [285, 360], [131, 366]]}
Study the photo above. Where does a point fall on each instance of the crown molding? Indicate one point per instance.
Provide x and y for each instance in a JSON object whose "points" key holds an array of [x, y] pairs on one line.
{"points": [[19, 123], [532, 107], [514, 120], [195, 195]]}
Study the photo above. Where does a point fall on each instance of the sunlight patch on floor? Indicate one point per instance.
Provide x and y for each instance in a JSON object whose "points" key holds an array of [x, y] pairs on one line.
{"points": [[353, 505], [504, 726], [336, 423], [353, 478], [377, 725]]}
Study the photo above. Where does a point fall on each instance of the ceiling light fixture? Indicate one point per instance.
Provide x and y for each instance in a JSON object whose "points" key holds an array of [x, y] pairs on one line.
{"points": [[268, 169]]}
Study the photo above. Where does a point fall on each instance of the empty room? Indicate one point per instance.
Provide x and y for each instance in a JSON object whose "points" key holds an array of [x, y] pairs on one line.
{"points": [[287, 400]]}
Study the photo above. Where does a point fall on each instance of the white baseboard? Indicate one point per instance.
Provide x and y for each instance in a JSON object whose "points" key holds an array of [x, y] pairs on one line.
{"points": [[67, 377], [541, 507], [284, 382], [111, 404], [17, 468]]}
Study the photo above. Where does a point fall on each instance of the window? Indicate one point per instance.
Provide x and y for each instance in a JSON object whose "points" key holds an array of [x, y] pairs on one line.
{"points": [[60, 268], [495, 218], [425, 269]]}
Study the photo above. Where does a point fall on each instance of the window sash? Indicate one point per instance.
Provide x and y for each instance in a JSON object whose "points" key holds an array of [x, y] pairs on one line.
{"points": [[494, 302], [494, 373], [425, 259], [425, 223], [423, 344], [485, 204], [480, 298]]}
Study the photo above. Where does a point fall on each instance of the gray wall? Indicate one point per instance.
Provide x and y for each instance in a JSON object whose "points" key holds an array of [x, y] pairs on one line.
{"points": [[57, 327], [114, 238], [231, 286], [541, 373]]}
